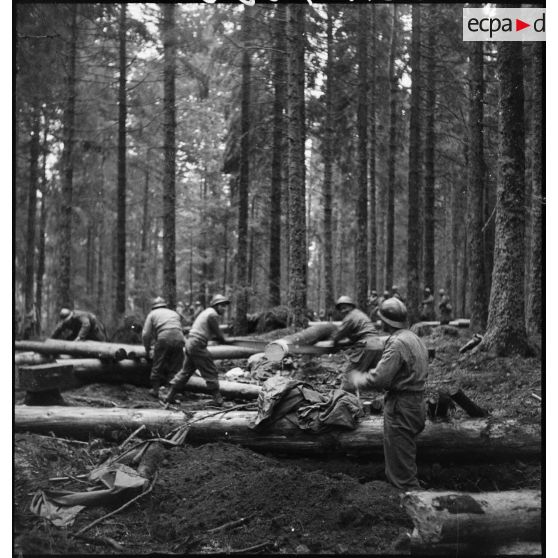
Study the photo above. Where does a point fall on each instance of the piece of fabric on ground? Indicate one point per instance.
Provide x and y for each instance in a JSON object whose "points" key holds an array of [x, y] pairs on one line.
{"points": [[302, 404]]}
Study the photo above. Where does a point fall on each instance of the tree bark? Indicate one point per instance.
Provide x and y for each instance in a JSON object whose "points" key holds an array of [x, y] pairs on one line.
{"points": [[475, 221], [361, 262], [492, 518], [534, 293], [297, 187], [64, 282], [120, 295], [506, 334], [242, 284], [372, 221], [470, 439], [390, 220], [414, 233], [429, 155], [279, 100], [328, 168], [169, 171]]}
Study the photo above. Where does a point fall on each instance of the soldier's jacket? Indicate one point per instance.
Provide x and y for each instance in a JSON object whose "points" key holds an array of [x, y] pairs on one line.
{"points": [[356, 326], [403, 366], [206, 327], [80, 326], [157, 322]]}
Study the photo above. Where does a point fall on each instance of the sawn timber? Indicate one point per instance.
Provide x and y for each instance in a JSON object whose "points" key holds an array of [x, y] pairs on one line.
{"points": [[478, 439]]}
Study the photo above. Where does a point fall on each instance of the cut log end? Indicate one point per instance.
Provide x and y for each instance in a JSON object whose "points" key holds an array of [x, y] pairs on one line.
{"points": [[276, 351]]}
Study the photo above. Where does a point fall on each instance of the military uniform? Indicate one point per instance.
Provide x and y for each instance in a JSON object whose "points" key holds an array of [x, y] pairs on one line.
{"points": [[402, 373], [445, 309], [80, 326], [427, 310], [163, 328], [204, 329], [357, 327]]}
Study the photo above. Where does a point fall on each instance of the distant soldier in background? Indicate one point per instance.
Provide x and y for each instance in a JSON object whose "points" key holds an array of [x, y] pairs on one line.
{"points": [[427, 306], [373, 305], [445, 307], [162, 330], [79, 325], [395, 293], [359, 329], [181, 311], [205, 328], [130, 332]]}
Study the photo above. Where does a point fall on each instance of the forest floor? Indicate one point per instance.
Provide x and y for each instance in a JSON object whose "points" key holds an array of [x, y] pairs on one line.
{"points": [[288, 505]]}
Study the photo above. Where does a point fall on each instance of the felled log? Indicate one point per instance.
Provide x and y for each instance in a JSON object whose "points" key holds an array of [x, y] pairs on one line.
{"points": [[32, 358], [299, 341], [470, 407], [78, 372], [473, 342], [443, 520], [95, 349], [470, 439]]}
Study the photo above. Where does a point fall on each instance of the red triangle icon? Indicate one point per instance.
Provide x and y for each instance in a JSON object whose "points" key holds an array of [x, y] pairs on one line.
{"points": [[519, 24]]}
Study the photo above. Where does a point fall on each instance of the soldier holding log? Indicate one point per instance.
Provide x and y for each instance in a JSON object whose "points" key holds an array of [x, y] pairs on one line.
{"points": [[204, 329], [359, 329], [79, 325], [163, 328], [402, 373]]}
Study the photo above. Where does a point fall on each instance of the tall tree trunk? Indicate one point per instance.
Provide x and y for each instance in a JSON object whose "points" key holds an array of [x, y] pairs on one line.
{"points": [[169, 174], [361, 263], [475, 214], [34, 149], [372, 224], [279, 99], [101, 240], [429, 155], [534, 293], [120, 295], [42, 232], [297, 187], [414, 187], [393, 89], [242, 285], [506, 332], [64, 282], [328, 170]]}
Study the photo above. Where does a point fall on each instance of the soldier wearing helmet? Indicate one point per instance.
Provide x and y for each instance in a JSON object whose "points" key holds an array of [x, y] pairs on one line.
{"points": [[79, 325], [204, 329], [162, 337], [427, 306], [395, 293], [402, 373], [445, 307], [357, 327]]}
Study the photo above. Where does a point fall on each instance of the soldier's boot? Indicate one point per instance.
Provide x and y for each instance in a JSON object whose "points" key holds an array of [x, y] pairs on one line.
{"points": [[171, 395], [155, 385], [217, 399]]}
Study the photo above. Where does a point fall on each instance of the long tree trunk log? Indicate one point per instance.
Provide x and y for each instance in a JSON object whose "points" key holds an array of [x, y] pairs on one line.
{"points": [[114, 351], [135, 372], [299, 341], [464, 519], [471, 439]]}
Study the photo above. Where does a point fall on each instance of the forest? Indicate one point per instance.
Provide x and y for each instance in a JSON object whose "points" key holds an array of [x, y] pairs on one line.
{"points": [[279, 154]]}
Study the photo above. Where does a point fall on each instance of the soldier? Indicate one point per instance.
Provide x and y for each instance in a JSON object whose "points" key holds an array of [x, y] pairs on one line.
{"points": [[445, 307], [359, 329], [204, 329], [395, 293], [163, 330], [79, 325], [427, 306], [181, 311], [402, 373], [373, 306]]}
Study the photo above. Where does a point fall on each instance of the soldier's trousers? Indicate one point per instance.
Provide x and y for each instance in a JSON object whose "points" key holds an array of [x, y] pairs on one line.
{"points": [[168, 355], [404, 418], [197, 356]]}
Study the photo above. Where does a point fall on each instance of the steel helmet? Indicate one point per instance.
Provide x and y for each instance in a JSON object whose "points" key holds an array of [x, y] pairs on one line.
{"points": [[427, 290], [344, 300], [393, 312], [65, 313], [441, 291], [395, 288], [158, 302], [219, 299]]}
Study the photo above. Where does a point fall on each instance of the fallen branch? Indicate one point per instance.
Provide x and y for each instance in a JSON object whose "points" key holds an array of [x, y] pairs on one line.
{"points": [[231, 524], [250, 549], [132, 435], [121, 508], [102, 540], [537, 397]]}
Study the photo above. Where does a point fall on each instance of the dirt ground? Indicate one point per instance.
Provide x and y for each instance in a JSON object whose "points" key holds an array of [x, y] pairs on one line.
{"points": [[279, 505]]}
